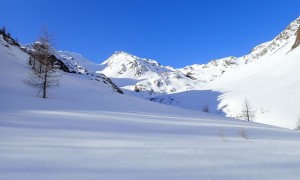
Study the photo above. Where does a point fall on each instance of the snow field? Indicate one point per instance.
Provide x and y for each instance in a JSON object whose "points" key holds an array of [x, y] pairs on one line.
{"points": [[85, 130], [113, 145]]}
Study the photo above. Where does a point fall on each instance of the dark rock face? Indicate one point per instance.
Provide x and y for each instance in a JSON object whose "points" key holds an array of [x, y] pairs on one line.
{"points": [[9, 39], [63, 67], [105, 80], [297, 41]]}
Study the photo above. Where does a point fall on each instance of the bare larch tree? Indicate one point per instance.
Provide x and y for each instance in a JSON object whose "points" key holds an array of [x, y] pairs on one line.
{"points": [[247, 111], [44, 76]]}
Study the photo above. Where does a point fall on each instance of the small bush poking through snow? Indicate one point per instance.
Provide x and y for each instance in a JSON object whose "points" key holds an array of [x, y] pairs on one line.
{"points": [[222, 135], [243, 133]]}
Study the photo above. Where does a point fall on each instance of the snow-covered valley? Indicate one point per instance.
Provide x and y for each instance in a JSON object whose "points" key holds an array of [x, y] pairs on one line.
{"points": [[87, 129], [267, 78]]}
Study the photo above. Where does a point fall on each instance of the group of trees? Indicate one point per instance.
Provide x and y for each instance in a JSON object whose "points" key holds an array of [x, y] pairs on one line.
{"points": [[43, 75]]}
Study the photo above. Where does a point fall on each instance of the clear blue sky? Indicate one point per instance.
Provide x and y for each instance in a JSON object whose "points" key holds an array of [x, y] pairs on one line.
{"points": [[173, 32]]}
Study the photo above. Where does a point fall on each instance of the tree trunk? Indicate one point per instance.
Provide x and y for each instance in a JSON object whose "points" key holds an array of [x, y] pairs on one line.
{"points": [[45, 85], [45, 79], [33, 64], [40, 69], [247, 110]]}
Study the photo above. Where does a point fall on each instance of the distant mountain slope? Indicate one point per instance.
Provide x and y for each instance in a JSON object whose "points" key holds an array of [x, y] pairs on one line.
{"points": [[212, 70], [150, 80], [271, 84]]}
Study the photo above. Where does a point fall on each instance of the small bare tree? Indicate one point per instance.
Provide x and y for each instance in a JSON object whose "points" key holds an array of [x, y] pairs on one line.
{"points": [[247, 111], [243, 133], [44, 77], [298, 124], [205, 109]]}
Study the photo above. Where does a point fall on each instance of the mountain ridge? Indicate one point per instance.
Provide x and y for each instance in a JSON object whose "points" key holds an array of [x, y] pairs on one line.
{"points": [[164, 87]]}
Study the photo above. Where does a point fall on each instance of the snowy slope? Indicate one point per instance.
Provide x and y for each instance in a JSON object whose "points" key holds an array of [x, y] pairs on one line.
{"points": [[84, 130], [270, 48], [272, 86], [212, 70], [76, 62], [71, 62], [270, 82], [264, 76], [216, 68]]}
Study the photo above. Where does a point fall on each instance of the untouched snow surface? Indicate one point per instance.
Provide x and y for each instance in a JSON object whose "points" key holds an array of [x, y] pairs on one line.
{"points": [[85, 130]]}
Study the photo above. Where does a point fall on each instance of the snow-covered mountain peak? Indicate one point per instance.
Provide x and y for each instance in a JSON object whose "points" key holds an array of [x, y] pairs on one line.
{"points": [[122, 64], [121, 55], [124, 56]]}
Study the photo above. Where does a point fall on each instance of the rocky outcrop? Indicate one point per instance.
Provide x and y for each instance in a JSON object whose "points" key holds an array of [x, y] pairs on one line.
{"points": [[297, 41]]}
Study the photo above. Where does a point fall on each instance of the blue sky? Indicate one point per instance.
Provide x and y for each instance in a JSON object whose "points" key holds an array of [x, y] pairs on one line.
{"points": [[173, 32]]}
